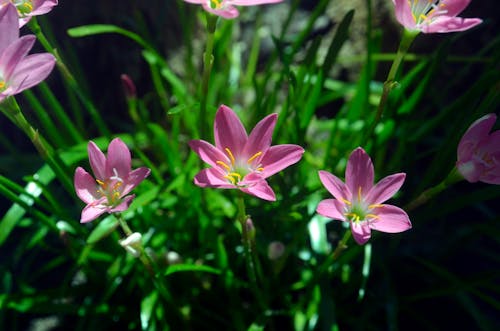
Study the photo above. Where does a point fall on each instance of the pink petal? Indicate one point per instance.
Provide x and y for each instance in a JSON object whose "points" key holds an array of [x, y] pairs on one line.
{"points": [[228, 12], [228, 131], [41, 7], [260, 138], [8, 25], [252, 2], [444, 24], [470, 170], [261, 190], [118, 158], [85, 186], [359, 172], [91, 212], [208, 153], [135, 178], [199, 2], [32, 70], [361, 232], [335, 186], [97, 161], [14, 54], [279, 157], [126, 201], [476, 132], [331, 208], [385, 188], [212, 178], [454, 7], [391, 219], [404, 14]]}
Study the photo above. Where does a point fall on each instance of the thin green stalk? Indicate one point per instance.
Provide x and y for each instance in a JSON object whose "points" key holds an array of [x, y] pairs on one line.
{"points": [[208, 61], [453, 177], [69, 78], [11, 109], [390, 83]]}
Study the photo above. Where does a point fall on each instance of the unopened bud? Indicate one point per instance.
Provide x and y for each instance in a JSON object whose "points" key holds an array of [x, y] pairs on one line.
{"points": [[132, 244], [128, 86], [250, 229], [275, 250]]}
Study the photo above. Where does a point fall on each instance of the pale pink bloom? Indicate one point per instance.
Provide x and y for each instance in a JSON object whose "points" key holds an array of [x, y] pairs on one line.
{"points": [[114, 180], [360, 203], [28, 8], [241, 161], [225, 8], [434, 16], [478, 152], [19, 71]]}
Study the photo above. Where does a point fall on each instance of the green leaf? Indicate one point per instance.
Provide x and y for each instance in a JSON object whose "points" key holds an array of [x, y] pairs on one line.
{"points": [[191, 267]]}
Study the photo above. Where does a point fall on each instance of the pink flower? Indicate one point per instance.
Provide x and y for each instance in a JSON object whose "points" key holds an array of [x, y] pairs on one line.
{"points": [[114, 179], [28, 8], [19, 71], [478, 152], [241, 161], [359, 202], [434, 16], [225, 8]]}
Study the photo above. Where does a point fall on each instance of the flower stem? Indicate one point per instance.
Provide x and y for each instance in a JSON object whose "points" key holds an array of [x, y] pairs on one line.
{"points": [[251, 259], [341, 246], [13, 112], [68, 77], [390, 83], [453, 177], [208, 61]]}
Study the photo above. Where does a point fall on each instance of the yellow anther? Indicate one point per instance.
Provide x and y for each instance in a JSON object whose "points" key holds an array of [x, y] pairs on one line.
{"points": [[117, 185], [372, 216], [359, 193], [422, 17], [235, 174], [28, 6], [375, 206], [215, 3], [101, 183], [233, 181], [115, 196], [256, 155], [231, 156], [259, 169], [346, 201], [223, 164], [2, 84]]}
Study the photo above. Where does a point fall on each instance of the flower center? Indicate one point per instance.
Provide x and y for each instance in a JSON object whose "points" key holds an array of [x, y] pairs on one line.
{"points": [[358, 211], [237, 170], [425, 10], [24, 7], [3, 85], [216, 4], [111, 188]]}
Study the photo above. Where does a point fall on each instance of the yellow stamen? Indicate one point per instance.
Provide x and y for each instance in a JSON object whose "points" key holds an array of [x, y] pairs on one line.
{"points": [[216, 3], [228, 168], [115, 196], [375, 206], [256, 155], [359, 193], [235, 174], [2, 84], [101, 183], [345, 201], [28, 6], [372, 216], [233, 181], [228, 151], [259, 169], [117, 186]]}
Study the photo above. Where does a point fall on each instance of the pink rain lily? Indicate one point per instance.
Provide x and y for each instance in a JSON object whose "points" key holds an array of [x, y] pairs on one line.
{"points": [[360, 203], [240, 161], [19, 71], [478, 152], [114, 179], [434, 16], [225, 8], [28, 8]]}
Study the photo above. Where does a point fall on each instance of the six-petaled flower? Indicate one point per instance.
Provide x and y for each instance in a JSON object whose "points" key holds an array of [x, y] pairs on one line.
{"points": [[28, 8], [478, 153], [434, 16], [241, 161], [114, 180], [360, 203], [19, 71]]}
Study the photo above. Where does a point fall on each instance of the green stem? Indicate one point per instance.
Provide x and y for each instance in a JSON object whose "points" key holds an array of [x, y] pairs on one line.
{"points": [[453, 177], [11, 109], [341, 246], [390, 83], [68, 77], [208, 61]]}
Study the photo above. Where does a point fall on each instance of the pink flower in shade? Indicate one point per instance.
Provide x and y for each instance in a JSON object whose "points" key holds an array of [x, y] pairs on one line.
{"points": [[434, 16], [478, 152], [28, 8], [241, 161], [114, 179], [360, 203], [225, 8], [19, 71]]}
